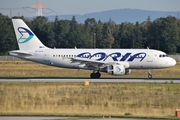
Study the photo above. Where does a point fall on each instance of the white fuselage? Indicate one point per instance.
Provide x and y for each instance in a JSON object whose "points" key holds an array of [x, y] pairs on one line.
{"points": [[136, 58]]}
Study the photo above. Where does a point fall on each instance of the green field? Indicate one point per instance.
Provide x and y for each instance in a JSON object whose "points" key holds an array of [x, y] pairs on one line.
{"points": [[97, 99]]}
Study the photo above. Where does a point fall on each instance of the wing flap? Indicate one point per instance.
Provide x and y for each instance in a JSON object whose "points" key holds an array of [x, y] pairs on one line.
{"points": [[97, 64], [88, 62]]}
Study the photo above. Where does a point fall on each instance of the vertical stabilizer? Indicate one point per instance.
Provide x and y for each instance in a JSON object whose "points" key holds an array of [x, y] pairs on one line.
{"points": [[25, 37]]}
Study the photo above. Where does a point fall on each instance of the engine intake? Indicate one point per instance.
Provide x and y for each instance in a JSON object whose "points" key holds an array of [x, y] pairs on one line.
{"points": [[116, 70]]}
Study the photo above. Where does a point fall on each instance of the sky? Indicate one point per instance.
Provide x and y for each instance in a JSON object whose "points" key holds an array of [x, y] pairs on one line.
{"points": [[64, 7]]}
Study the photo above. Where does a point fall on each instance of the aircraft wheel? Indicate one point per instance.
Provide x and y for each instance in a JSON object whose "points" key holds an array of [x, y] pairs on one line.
{"points": [[149, 73], [149, 76], [98, 75], [95, 75]]}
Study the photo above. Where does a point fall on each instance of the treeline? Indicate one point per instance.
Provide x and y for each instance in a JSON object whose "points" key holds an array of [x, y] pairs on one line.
{"points": [[162, 34]]}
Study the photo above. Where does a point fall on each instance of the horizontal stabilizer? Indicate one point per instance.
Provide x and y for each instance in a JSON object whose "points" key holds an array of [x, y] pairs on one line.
{"points": [[20, 53]]}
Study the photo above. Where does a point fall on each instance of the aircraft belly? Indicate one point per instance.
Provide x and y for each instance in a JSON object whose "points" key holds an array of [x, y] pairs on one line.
{"points": [[66, 63], [134, 65], [141, 65]]}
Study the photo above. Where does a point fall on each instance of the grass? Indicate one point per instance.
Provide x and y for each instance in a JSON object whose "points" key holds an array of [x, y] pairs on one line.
{"points": [[23, 68], [98, 99]]}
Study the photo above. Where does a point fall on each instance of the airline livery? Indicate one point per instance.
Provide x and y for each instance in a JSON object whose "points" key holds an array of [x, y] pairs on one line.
{"points": [[112, 61]]}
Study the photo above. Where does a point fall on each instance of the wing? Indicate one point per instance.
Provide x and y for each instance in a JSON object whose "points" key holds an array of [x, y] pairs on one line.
{"points": [[89, 62], [96, 65]]}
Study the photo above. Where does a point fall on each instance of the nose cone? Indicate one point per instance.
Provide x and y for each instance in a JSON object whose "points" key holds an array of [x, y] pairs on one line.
{"points": [[173, 62]]}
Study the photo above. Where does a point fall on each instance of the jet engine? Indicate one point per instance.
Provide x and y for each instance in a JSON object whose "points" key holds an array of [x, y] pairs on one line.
{"points": [[116, 70]]}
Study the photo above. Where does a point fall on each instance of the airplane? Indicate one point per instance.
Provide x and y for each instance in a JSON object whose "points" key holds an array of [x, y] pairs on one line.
{"points": [[116, 62]]}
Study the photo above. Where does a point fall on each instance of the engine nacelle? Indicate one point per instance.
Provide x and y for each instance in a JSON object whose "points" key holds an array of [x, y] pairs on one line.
{"points": [[116, 69], [127, 71]]}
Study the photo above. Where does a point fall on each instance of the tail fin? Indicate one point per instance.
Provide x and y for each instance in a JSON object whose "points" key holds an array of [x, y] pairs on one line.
{"points": [[25, 37]]}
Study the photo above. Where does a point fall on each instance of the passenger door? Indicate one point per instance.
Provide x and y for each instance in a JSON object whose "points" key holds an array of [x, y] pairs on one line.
{"points": [[150, 56]]}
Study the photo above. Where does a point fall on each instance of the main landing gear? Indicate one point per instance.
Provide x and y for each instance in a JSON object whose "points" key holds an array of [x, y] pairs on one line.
{"points": [[95, 75], [149, 73]]}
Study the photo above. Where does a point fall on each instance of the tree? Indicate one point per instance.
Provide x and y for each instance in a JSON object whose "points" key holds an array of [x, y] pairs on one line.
{"points": [[61, 29], [89, 32], [73, 37], [8, 40], [138, 38], [43, 30], [107, 35], [126, 35], [99, 36], [164, 34]]}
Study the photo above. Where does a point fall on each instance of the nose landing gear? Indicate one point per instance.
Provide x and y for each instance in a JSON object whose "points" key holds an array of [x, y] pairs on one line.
{"points": [[149, 73]]}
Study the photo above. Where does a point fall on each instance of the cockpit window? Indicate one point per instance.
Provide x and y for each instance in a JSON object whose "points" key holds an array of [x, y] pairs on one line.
{"points": [[163, 55]]}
